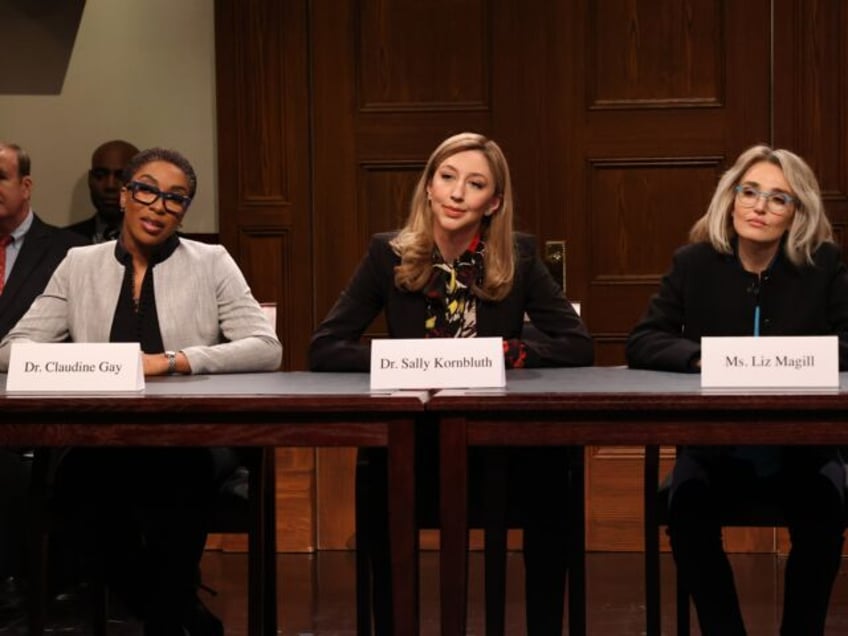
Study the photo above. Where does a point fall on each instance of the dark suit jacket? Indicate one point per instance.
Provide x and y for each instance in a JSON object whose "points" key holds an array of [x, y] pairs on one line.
{"points": [[559, 337], [710, 294], [43, 249], [85, 228]]}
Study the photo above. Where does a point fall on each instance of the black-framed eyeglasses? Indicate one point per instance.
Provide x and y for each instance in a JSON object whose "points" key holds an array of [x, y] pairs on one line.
{"points": [[103, 173], [776, 202], [148, 195]]}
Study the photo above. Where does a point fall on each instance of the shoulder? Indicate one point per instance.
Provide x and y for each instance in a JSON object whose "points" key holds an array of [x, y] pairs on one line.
{"points": [[196, 261], [380, 246], [85, 227], [827, 255], [701, 254], [525, 244], [383, 240], [80, 259], [191, 250], [700, 251], [93, 253], [61, 237]]}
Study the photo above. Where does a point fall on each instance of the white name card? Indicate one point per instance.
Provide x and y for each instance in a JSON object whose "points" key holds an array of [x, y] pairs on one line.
{"points": [[770, 362], [437, 363], [75, 367]]}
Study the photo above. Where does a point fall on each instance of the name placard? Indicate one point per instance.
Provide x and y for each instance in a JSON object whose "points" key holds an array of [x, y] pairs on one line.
{"points": [[437, 363], [75, 367], [770, 362]]}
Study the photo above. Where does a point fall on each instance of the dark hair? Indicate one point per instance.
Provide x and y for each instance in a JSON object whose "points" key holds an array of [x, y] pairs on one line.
{"points": [[162, 154], [24, 163]]}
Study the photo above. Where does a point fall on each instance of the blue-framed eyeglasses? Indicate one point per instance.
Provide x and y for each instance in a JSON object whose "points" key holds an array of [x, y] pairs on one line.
{"points": [[776, 202], [148, 194]]}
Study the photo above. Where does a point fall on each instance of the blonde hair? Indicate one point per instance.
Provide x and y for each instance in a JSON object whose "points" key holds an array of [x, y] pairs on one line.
{"points": [[414, 243], [810, 226]]}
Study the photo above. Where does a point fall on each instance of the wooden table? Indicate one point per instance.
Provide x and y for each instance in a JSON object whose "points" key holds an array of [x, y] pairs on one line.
{"points": [[266, 409], [606, 406]]}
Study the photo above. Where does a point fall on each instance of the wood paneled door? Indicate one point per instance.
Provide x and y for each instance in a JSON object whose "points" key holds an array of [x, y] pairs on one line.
{"points": [[617, 118]]}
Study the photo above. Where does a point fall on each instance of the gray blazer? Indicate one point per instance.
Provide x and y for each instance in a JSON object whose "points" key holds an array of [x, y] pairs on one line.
{"points": [[205, 308]]}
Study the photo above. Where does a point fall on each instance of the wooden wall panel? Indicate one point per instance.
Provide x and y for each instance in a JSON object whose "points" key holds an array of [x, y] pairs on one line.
{"points": [[385, 191], [660, 54], [335, 488], [630, 241], [411, 56], [637, 199], [614, 514], [265, 198], [265, 257], [810, 94]]}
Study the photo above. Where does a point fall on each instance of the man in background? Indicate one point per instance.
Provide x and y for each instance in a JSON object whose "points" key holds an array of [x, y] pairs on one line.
{"points": [[29, 252], [105, 179]]}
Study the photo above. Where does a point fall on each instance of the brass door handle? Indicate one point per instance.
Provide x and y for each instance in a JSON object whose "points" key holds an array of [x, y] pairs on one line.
{"points": [[555, 261]]}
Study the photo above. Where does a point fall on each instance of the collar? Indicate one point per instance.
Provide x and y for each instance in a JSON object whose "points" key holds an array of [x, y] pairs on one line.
{"points": [[19, 232], [734, 243], [160, 253], [100, 227], [476, 245]]}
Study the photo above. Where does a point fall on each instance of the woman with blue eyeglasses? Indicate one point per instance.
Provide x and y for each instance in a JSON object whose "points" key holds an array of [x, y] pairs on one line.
{"points": [[144, 512], [761, 262]]}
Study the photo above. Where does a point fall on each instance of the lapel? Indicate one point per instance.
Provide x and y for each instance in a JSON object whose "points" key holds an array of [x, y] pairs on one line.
{"points": [[33, 251], [410, 313]]}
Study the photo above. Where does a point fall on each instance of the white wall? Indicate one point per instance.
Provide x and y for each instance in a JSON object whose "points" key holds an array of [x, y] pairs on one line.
{"points": [[141, 71]]}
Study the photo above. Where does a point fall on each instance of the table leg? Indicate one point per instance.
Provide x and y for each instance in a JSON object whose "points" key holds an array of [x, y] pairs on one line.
{"points": [[402, 530], [454, 524], [269, 542], [577, 545]]}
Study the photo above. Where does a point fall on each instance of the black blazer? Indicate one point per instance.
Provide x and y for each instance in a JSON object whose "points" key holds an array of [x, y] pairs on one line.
{"points": [[43, 249], [707, 293], [559, 337], [86, 228]]}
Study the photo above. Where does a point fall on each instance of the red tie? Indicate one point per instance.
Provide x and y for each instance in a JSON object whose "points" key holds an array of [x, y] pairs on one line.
{"points": [[4, 241]]}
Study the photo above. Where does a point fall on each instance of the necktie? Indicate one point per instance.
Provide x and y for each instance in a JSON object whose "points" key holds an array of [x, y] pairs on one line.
{"points": [[4, 241]]}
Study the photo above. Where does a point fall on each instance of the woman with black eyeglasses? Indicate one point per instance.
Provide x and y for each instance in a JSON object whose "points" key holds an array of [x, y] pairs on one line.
{"points": [[761, 262], [144, 512]]}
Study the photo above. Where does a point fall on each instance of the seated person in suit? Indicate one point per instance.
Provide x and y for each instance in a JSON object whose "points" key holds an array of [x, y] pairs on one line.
{"points": [[761, 261], [29, 252], [104, 185], [457, 270], [191, 310]]}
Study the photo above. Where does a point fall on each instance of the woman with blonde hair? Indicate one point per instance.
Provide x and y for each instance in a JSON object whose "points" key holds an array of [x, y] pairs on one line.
{"points": [[457, 270], [761, 262]]}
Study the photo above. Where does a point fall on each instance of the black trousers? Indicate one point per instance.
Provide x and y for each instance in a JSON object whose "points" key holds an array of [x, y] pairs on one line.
{"points": [[15, 471], [808, 487], [536, 480], [141, 515]]}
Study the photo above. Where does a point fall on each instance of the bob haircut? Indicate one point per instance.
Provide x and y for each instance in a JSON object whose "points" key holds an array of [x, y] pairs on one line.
{"points": [[415, 241], [810, 226]]}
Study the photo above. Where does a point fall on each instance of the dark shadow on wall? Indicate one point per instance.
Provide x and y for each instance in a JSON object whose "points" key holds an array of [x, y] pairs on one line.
{"points": [[38, 38]]}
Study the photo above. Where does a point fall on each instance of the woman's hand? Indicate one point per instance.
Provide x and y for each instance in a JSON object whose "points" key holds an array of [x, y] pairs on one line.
{"points": [[157, 364]]}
